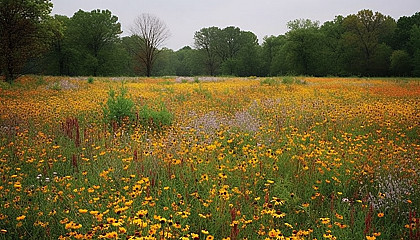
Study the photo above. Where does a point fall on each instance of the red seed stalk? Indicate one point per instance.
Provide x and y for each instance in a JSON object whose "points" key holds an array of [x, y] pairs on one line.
{"points": [[135, 157], [74, 163], [332, 202], [77, 139], [71, 129], [234, 231], [368, 220], [266, 197]]}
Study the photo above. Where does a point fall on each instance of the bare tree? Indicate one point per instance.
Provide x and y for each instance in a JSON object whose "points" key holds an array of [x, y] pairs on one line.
{"points": [[150, 33]]}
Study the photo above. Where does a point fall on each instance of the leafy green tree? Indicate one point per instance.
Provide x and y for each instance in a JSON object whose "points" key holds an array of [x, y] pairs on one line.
{"points": [[331, 60], [271, 50], [229, 51], [303, 46], [228, 44], [58, 44], [56, 61], [166, 64], [400, 63], [402, 34], [365, 33], [416, 64], [116, 61], [404, 41], [192, 59], [299, 24], [414, 44], [184, 58], [238, 51], [24, 33], [381, 60], [185, 62], [248, 57], [232, 40], [91, 33], [52, 61], [131, 47], [206, 41]]}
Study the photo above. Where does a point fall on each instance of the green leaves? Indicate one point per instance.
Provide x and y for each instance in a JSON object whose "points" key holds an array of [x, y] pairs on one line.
{"points": [[155, 119], [400, 63], [118, 107], [229, 50], [365, 32], [92, 34], [23, 27]]}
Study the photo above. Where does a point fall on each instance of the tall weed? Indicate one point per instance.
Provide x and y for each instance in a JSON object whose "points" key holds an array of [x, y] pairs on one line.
{"points": [[155, 119], [119, 107]]}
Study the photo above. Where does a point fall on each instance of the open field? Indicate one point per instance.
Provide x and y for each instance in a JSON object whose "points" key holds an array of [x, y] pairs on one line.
{"points": [[271, 158]]}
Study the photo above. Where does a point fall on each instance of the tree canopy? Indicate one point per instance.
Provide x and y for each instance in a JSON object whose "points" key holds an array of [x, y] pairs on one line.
{"points": [[24, 32], [365, 43], [92, 34]]}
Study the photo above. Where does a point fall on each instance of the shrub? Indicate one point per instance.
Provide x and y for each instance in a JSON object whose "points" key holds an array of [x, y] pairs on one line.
{"points": [[4, 84], [155, 119], [56, 86], [203, 91], [118, 107], [40, 81], [288, 80], [300, 81], [269, 82], [90, 80], [166, 82]]}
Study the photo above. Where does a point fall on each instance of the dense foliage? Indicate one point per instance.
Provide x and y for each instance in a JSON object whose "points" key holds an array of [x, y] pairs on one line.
{"points": [[24, 33], [119, 107], [90, 43]]}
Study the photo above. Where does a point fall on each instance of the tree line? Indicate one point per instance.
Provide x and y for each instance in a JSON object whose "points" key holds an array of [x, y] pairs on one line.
{"points": [[90, 44]]}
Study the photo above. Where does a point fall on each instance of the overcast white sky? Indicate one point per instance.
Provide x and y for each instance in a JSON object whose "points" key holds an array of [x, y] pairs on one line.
{"points": [[262, 17]]}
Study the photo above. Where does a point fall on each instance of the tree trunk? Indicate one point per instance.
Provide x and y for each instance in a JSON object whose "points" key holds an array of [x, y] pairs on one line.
{"points": [[9, 77], [148, 70], [9, 71]]}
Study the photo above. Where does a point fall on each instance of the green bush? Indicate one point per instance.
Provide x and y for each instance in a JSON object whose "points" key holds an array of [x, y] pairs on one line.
{"points": [[56, 86], [166, 82], [118, 107], [269, 82], [90, 80], [40, 81], [5, 85], [203, 91], [300, 81], [288, 80], [155, 119]]}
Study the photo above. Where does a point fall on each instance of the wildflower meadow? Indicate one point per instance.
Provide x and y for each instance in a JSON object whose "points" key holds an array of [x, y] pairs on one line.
{"points": [[210, 158]]}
